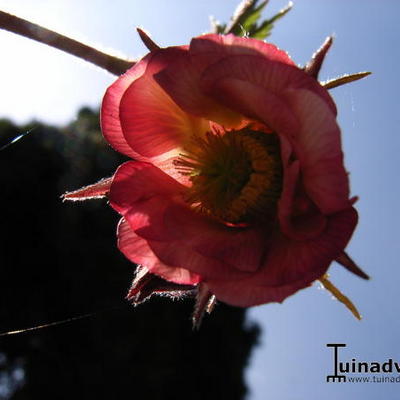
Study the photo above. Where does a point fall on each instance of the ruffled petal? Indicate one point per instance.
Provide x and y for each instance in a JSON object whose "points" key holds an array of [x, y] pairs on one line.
{"points": [[228, 56], [179, 236], [318, 148], [242, 248], [299, 218], [153, 125], [139, 119], [224, 45], [138, 251], [145, 223], [151, 202], [257, 103], [181, 81], [137, 181], [109, 116], [179, 253], [291, 265], [266, 73]]}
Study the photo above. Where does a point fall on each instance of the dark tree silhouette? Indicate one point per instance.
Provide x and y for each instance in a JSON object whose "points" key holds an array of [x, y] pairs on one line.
{"points": [[60, 260]]}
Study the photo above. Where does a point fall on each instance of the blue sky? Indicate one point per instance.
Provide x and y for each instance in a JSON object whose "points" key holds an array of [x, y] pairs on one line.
{"points": [[293, 361]]}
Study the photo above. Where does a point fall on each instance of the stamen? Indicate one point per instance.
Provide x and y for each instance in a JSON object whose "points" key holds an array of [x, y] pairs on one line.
{"points": [[236, 177]]}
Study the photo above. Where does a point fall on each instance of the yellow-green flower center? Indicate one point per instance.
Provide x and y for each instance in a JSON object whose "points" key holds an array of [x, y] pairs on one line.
{"points": [[236, 177]]}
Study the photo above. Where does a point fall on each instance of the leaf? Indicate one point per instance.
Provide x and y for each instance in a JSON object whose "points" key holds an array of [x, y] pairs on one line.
{"points": [[264, 30], [245, 17], [245, 20], [252, 17]]}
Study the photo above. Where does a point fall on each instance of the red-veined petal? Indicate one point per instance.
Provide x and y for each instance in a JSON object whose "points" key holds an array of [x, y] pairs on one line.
{"points": [[109, 117], [291, 265], [153, 125], [181, 81], [318, 148], [135, 181], [263, 72], [224, 45], [151, 202], [138, 251]]}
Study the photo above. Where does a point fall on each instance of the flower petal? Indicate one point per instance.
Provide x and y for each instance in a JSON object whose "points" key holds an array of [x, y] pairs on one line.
{"points": [[178, 236], [151, 202], [166, 220], [299, 218], [179, 253], [318, 148], [138, 251], [135, 181], [291, 265], [224, 45], [227, 56], [109, 117], [243, 248], [266, 73], [145, 221], [259, 103], [153, 125], [181, 81]]}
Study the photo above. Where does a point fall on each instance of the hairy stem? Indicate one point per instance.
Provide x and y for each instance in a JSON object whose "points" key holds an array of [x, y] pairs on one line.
{"points": [[114, 65]]}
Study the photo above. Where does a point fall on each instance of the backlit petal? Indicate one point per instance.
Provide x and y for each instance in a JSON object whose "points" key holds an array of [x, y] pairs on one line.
{"points": [[291, 265], [136, 181], [243, 248], [109, 117], [181, 80], [269, 74], [153, 125], [260, 103], [138, 251], [224, 45], [139, 119], [151, 202], [318, 148]]}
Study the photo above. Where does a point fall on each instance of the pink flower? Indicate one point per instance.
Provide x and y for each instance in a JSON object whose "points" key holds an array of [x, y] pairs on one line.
{"points": [[237, 183]]}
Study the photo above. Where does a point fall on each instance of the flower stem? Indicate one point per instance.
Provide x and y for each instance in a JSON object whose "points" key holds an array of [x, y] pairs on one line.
{"points": [[114, 65]]}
